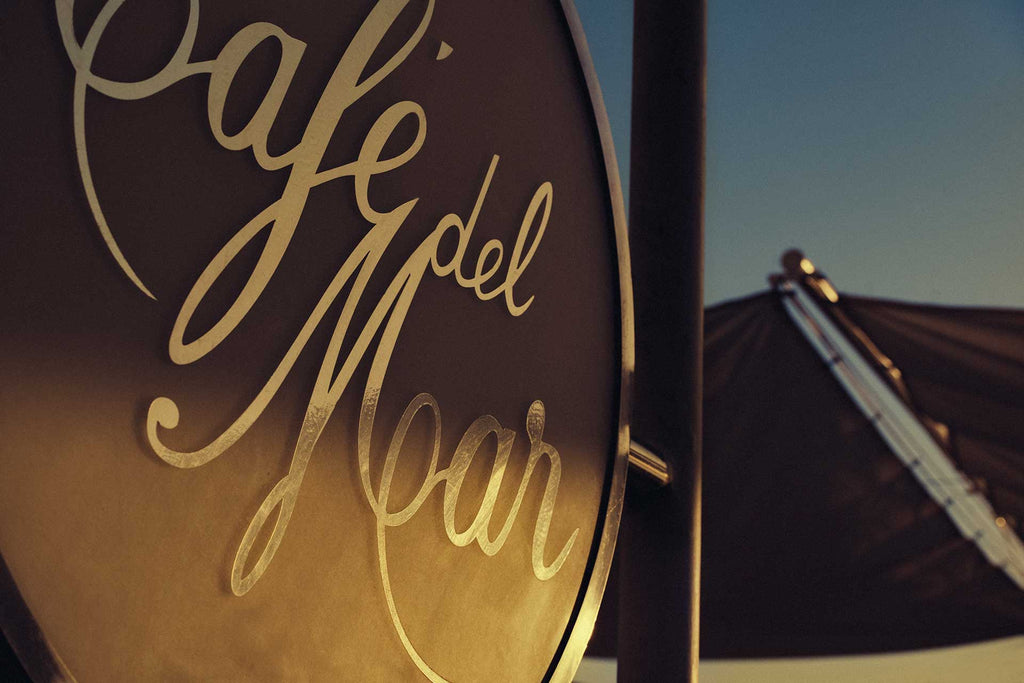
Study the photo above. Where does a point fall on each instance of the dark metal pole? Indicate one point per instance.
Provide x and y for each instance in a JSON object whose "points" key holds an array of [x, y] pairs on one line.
{"points": [[659, 546]]}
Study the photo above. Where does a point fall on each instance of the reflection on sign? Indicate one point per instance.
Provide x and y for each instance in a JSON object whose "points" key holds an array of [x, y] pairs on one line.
{"points": [[490, 277]]}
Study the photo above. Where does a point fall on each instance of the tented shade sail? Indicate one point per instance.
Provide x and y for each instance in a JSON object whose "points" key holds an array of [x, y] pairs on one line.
{"points": [[818, 538]]}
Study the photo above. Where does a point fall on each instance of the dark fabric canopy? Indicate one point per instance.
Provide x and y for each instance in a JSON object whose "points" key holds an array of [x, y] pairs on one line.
{"points": [[816, 538], [965, 368]]}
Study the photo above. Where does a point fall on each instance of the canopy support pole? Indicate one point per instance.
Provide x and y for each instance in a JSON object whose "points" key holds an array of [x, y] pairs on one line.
{"points": [[659, 547]]}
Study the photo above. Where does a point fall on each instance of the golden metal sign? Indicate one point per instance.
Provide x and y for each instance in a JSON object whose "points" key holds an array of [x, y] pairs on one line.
{"points": [[380, 277]]}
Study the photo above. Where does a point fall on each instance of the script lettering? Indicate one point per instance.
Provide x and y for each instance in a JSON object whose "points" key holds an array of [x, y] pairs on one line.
{"points": [[381, 331]]}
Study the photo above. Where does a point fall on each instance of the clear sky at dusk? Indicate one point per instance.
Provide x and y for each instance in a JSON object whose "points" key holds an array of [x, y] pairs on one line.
{"points": [[884, 138]]}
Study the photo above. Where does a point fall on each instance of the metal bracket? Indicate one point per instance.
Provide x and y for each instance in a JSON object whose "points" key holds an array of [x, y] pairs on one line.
{"points": [[643, 459]]}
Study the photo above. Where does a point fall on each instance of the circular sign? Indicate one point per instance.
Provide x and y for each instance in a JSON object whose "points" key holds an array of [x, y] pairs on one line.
{"points": [[316, 339]]}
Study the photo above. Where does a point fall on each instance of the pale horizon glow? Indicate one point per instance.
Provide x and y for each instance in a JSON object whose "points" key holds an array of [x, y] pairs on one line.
{"points": [[1001, 660]]}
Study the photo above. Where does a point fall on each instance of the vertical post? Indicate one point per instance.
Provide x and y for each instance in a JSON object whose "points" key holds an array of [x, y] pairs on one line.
{"points": [[659, 547]]}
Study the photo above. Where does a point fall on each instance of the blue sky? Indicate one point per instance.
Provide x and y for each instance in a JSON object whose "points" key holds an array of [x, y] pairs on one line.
{"points": [[885, 139]]}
